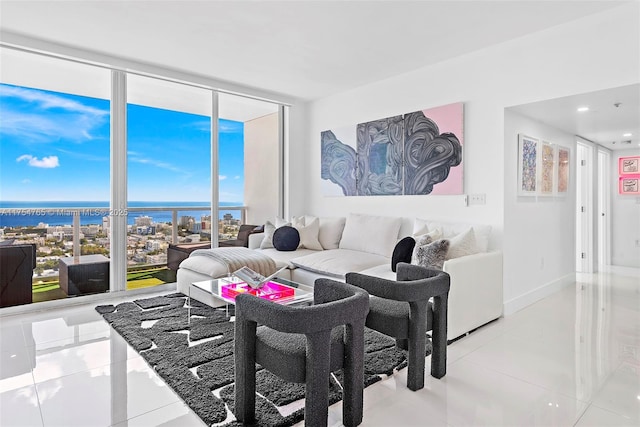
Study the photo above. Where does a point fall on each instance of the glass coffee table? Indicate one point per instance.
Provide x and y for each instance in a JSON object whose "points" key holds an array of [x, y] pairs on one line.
{"points": [[222, 290]]}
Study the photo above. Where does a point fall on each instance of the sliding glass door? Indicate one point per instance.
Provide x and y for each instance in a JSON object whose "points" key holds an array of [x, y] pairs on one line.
{"points": [[168, 174]]}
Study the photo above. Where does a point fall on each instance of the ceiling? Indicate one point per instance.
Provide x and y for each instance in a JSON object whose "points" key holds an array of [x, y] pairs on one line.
{"points": [[311, 49], [301, 49], [612, 114]]}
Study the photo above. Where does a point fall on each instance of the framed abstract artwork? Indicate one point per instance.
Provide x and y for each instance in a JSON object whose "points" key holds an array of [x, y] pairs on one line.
{"points": [[562, 182], [547, 169], [629, 165], [527, 165], [415, 153], [629, 185]]}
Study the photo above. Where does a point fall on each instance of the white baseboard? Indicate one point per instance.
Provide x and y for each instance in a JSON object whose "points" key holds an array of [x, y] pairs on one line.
{"points": [[522, 301]]}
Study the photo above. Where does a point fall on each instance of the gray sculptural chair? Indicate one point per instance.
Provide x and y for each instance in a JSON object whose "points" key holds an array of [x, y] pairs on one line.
{"points": [[303, 344], [401, 309]]}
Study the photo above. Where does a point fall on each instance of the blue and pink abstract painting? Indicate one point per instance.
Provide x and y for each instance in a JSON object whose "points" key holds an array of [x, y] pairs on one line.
{"points": [[411, 154]]}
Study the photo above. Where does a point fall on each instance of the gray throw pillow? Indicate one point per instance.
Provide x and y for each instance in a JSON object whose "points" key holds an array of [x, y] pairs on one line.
{"points": [[431, 255]]}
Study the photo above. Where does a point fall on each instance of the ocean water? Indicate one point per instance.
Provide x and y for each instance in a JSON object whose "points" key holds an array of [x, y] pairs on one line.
{"points": [[22, 214]]}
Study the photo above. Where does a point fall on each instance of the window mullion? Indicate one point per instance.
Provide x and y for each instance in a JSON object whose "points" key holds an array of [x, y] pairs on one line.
{"points": [[118, 204]]}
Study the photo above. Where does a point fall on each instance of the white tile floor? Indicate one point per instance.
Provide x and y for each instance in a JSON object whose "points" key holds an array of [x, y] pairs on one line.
{"points": [[570, 359]]}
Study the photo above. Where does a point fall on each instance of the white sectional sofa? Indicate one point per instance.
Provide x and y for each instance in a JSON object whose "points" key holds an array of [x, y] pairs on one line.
{"points": [[365, 244]]}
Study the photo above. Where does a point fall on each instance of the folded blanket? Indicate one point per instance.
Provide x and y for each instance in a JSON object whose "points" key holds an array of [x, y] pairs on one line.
{"points": [[235, 258]]}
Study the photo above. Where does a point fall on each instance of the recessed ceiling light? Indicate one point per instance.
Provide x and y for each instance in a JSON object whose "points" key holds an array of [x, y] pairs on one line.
{"points": [[626, 135], [582, 109]]}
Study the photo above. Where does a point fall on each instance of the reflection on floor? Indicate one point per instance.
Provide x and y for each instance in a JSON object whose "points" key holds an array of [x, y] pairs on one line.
{"points": [[572, 358], [139, 278]]}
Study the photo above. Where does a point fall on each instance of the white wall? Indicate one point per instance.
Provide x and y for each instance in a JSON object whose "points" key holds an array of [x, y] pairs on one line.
{"points": [[625, 219], [540, 232], [260, 168], [564, 60]]}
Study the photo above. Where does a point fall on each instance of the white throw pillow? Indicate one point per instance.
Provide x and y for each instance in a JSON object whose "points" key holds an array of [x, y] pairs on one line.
{"points": [[281, 222], [462, 244], [434, 234], [372, 234], [331, 232], [449, 229], [298, 221], [269, 229], [309, 235]]}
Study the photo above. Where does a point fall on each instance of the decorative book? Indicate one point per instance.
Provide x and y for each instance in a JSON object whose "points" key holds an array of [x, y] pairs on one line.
{"points": [[253, 279], [270, 291]]}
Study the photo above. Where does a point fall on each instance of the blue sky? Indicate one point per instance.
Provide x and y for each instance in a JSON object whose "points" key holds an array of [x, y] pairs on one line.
{"points": [[55, 147]]}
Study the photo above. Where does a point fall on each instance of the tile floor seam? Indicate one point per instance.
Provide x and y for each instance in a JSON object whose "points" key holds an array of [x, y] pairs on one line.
{"points": [[567, 396]]}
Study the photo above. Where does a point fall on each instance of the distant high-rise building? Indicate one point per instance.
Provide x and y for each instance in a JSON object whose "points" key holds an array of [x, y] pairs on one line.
{"points": [[205, 220], [106, 226], [153, 245], [227, 217], [144, 220], [186, 221]]}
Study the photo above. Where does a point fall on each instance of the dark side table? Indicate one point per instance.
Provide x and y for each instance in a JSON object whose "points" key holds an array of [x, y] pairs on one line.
{"points": [[88, 275]]}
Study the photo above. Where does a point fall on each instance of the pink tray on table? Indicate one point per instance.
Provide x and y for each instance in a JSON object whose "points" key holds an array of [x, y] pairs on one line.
{"points": [[269, 291]]}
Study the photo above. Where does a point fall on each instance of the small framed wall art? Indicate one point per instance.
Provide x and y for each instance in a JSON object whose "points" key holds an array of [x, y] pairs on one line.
{"points": [[562, 157], [543, 167], [629, 185], [629, 165], [527, 165], [547, 169]]}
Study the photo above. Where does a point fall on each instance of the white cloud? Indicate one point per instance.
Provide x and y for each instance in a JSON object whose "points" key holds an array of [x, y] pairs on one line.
{"points": [[137, 158], [222, 177], [50, 118], [230, 127], [236, 177], [45, 162], [49, 101], [26, 181]]}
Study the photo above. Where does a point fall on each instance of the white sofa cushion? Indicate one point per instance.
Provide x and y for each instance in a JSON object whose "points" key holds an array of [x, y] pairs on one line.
{"points": [[383, 270], [373, 234], [338, 262], [205, 265], [283, 258], [449, 229]]}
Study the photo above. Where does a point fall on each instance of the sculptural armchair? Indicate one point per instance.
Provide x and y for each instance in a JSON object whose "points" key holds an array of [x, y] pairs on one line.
{"points": [[299, 344], [401, 309]]}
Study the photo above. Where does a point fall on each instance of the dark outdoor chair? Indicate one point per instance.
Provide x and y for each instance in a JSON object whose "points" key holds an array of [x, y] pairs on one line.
{"points": [[299, 344], [243, 237], [401, 309]]}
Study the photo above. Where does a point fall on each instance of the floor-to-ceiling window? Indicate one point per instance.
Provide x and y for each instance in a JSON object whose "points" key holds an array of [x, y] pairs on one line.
{"points": [[168, 174], [54, 170], [185, 163]]}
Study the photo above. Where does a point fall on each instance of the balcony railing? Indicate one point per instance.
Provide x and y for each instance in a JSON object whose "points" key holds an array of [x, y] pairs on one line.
{"points": [[71, 232]]}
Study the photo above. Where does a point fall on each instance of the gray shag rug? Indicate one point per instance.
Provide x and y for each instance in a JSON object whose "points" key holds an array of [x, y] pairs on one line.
{"points": [[191, 348]]}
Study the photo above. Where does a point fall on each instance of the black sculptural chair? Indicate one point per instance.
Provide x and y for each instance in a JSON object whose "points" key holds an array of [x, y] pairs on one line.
{"points": [[401, 309], [299, 344]]}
